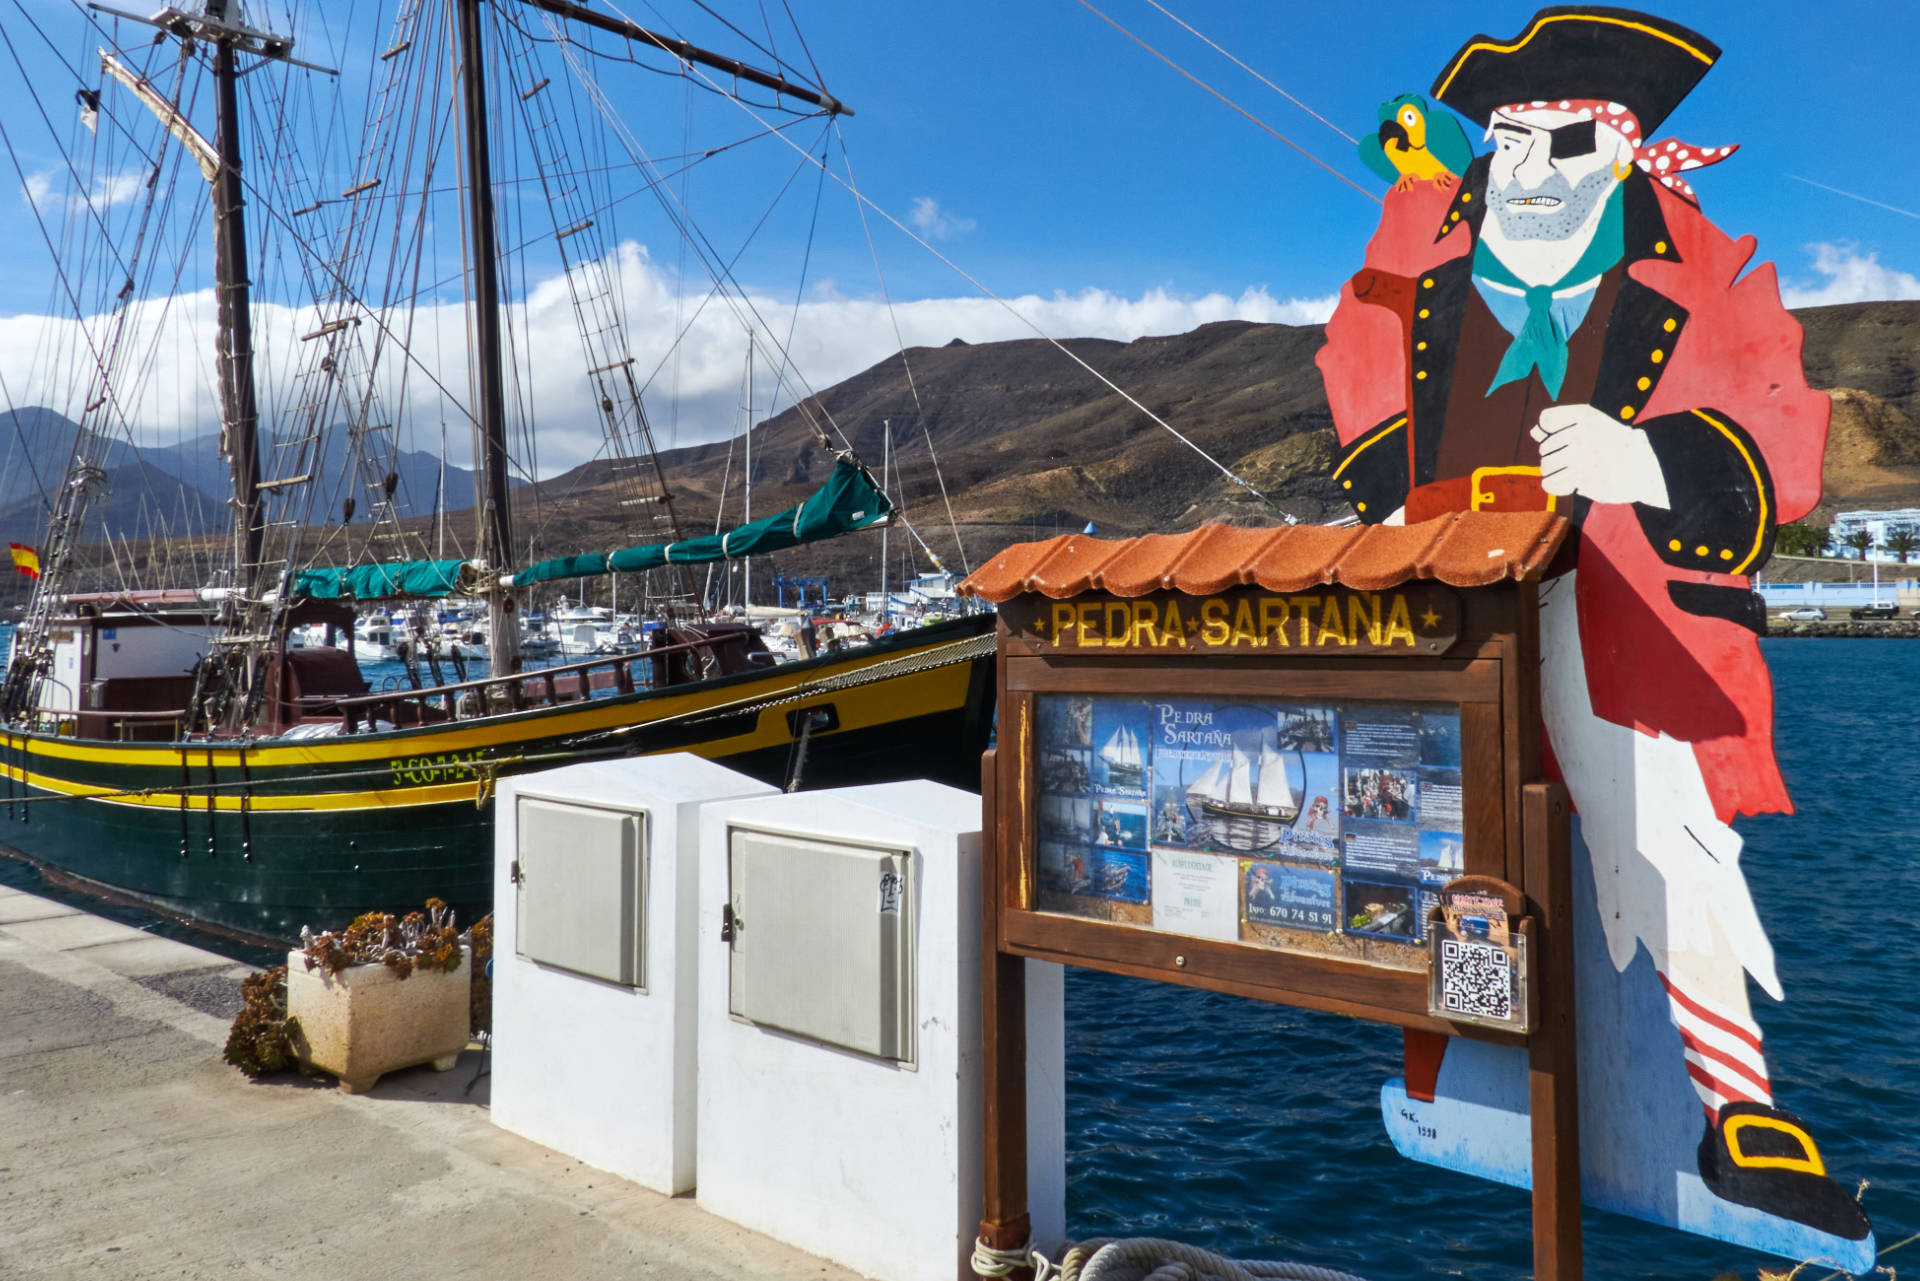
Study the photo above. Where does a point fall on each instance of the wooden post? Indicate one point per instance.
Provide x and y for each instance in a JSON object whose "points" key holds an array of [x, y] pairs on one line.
{"points": [[1553, 1053], [1005, 1224]]}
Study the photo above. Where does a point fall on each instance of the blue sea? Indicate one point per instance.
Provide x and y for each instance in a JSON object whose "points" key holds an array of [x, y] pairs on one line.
{"points": [[1255, 1129]]}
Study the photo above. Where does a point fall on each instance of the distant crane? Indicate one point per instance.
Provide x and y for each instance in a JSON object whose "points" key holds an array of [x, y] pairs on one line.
{"points": [[801, 583]]}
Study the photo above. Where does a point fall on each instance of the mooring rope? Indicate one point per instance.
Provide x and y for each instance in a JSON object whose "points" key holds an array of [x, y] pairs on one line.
{"points": [[1143, 1259]]}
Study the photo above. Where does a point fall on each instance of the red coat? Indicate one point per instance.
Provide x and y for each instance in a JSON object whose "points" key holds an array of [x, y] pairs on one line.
{"points": [[1651, 664]]}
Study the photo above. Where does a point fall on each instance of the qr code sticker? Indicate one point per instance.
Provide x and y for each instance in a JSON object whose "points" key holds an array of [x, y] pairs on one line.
{"points": [[1476, 979]]}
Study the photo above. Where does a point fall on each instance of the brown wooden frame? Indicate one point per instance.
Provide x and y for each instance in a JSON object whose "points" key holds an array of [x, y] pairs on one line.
{"points": [[1516, 829]]}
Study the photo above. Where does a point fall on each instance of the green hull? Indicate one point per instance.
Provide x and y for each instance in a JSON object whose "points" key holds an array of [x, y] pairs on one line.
{"points": [[262, 838]]}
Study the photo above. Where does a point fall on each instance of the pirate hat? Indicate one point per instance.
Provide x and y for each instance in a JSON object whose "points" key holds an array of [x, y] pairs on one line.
{"points": [[1646, 64]]}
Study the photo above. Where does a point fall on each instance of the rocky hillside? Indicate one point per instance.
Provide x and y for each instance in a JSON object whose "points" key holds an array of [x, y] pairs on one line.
{"points": [[1029, 444]]}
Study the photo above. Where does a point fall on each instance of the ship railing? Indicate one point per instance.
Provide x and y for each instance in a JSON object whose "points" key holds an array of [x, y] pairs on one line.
{"points": [[164, 725], [521, 691]]}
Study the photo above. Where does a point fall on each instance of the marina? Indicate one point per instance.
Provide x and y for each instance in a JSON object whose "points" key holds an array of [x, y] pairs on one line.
{"points": [[544, 735]]}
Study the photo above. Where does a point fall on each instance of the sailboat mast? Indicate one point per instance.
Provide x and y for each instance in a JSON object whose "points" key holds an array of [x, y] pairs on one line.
{"points": [[886, 487], [496, 519], [746, 501], [233, 292]]}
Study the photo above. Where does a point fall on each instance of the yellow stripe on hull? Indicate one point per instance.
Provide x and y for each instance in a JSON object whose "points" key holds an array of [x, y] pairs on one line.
{"points": [[900, 697]]}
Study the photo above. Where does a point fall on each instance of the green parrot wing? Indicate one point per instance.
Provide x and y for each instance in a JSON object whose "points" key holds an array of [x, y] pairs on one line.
{"points": [[1374, 156], [1447, 142]]}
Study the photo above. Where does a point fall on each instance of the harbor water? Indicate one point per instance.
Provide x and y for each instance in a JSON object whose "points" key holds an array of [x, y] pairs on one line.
{"points": [[1255, 1129]]}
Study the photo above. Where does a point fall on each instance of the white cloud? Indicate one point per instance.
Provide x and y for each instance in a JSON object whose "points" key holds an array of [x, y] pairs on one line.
{"points": [[936, 223], [1850, 277], [172, 394], [108, 190]]}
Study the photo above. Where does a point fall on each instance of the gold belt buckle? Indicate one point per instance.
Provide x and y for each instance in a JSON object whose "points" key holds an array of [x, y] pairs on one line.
{"points": [[1480, 498]]}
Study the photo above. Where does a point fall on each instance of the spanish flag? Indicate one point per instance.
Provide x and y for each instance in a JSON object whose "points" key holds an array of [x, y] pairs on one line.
{"points": [[25, 559]]}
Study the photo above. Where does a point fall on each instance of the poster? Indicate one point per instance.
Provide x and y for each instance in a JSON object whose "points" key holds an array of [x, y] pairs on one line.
{"points": [[1251, 819], [1195, 894]]}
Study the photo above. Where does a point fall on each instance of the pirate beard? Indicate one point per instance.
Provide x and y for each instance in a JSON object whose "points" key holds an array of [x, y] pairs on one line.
{"points": [[1557, 223]]}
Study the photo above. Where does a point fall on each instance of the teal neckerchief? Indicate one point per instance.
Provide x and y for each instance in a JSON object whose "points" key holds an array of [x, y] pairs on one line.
{"points": [[1541, 341]]}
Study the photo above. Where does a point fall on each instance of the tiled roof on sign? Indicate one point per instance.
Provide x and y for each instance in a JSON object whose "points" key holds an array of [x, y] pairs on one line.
{"points": [[1466, 549]]}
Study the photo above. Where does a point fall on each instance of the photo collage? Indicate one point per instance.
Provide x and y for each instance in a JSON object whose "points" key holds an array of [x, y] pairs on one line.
{"points": [[1229, 819]]}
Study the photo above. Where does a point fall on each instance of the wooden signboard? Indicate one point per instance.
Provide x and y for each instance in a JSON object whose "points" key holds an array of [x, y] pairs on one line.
{"points": [[1276, 793]]}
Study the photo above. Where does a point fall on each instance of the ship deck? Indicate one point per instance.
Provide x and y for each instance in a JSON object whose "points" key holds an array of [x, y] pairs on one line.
{"points": [[134, 1151]]}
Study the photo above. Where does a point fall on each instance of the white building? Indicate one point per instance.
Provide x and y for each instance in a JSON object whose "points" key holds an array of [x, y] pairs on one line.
{"points": [[1882, 525]]}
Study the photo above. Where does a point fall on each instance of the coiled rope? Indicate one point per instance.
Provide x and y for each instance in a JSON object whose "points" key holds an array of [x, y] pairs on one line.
{"points": [[1143, 1259]]}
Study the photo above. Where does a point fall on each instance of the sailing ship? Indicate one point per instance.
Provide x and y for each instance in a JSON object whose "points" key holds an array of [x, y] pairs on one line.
{"points": [[1235, 790], [170, 745], [1125, 765]]}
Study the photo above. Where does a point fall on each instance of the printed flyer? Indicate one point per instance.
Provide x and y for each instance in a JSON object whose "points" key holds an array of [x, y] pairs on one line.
{"points": [[1222, 818]]}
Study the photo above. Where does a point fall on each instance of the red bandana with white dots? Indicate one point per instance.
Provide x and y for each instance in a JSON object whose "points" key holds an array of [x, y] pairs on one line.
{"points": [[1664, 160]]}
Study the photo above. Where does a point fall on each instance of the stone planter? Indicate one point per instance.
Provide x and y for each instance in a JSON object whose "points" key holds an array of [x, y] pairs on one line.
{"points": [[366, 1021]]}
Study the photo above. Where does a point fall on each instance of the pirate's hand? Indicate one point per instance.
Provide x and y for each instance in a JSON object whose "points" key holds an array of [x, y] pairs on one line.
{"points": [[1587, 451]]}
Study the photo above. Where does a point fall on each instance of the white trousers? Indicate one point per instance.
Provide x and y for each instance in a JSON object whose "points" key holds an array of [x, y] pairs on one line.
{"points": [[1666, 870]]}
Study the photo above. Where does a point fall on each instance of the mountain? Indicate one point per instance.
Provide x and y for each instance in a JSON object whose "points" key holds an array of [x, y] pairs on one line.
{"points": [[1031, 445], [36, 442]]}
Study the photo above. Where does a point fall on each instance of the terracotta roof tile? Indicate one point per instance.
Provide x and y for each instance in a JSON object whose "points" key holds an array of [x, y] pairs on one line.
{"points": [[1467, 549]]}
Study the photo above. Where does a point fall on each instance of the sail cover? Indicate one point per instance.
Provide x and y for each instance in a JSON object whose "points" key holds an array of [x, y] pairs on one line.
{"points": [[848, 501], [380, 582]]}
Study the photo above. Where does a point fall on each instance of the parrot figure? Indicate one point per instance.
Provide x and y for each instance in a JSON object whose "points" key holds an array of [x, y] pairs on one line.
{"points": [[1414, 142]]}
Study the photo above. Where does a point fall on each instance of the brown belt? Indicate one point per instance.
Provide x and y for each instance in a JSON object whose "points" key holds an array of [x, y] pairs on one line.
{"points": [[1499, 489]]}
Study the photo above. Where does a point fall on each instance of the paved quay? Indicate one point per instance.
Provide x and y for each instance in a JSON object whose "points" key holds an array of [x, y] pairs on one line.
{"points": [[129, 1149]]}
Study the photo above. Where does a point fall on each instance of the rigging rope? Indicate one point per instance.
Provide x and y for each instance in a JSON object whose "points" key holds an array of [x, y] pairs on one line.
{"points": [[1255, 74], [1015, 312], [1228, 101]]}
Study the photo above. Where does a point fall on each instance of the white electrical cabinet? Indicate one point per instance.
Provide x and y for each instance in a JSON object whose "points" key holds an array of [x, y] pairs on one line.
{"points": [[821, 939], [580, 890]]}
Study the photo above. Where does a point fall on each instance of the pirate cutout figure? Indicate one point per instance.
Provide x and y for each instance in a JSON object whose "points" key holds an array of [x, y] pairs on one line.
{"points": [[1562, 329]]}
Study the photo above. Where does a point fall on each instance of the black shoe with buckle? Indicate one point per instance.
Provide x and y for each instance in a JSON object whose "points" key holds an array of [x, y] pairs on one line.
{"points": [[1762, 1157]]}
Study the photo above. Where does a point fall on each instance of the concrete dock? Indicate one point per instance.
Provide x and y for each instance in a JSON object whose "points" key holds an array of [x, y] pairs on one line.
{"points": [[129, 1149]]}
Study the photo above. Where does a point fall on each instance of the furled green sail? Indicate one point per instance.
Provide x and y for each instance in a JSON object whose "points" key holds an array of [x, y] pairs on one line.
{"points": [[380, 582], [848, 501]]}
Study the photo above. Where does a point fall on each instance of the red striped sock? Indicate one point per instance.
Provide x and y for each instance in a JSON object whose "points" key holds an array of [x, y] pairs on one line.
{"points": [[1723, 1053]]}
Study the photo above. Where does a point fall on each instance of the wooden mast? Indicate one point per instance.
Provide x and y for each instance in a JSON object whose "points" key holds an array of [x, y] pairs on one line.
{"points": [[495, 513], [239, 410]]}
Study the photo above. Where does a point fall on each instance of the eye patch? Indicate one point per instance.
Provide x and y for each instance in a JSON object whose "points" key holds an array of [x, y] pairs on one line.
{"points": [[1571, 140]]}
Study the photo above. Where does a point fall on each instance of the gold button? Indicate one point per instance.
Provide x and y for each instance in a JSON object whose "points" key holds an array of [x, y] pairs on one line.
{"points": [[1427, 283], [1420, 346], [1346, 484], [1659, 246], [1701, 550], [1454, 216], [1657, 356], [1645, 383], [1421, 374], [1673, 544], [1626, 412], [1465, 196], [1424, 313], [1671, 324], [1726, 554], [1359, 507]]}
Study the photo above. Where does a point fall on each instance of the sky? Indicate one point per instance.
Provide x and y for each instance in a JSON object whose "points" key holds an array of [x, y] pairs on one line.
{"points": [[1048, 156]]}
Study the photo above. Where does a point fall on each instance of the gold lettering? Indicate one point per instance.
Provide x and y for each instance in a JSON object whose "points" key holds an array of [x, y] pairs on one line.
{"points": [[1144, 618], [1273, 620], [1119, 623], [1302, 607], [1213, 616], [1360, 618], [1330, 624], [1085, 612], [1399, 622], [1243, 624], [1062, 620], [1172, 630]]}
